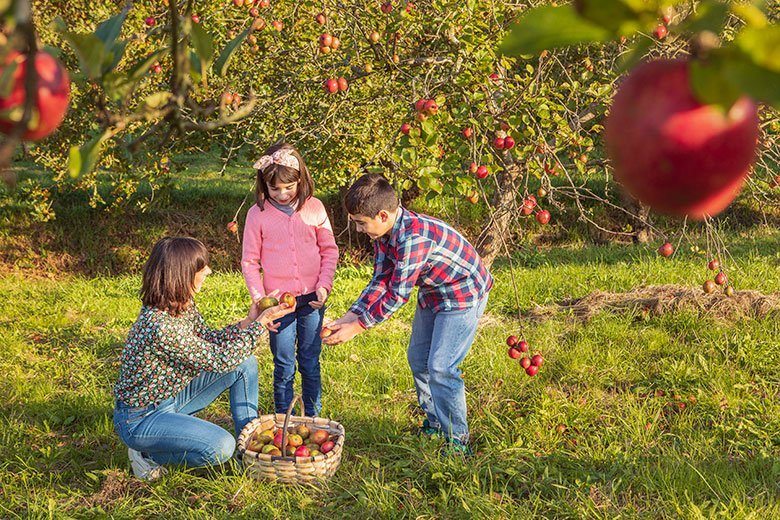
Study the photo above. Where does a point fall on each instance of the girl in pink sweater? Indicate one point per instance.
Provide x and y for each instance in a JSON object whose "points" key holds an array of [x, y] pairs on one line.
{"points": [[289, 247]]}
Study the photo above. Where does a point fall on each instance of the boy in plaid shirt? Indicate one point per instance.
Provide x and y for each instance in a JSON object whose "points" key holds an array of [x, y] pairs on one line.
{"points": [[417, 250]]}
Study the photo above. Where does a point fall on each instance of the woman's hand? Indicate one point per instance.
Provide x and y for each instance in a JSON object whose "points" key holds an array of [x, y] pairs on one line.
{"points": [[322, 297], [271, 314]]}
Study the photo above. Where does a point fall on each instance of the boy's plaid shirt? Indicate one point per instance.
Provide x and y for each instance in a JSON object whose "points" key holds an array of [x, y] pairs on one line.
{"points": [[422, 251]]}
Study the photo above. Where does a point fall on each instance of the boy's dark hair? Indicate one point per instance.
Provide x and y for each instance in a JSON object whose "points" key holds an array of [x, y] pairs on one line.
{"points": [[169, 273], [278, 173], [370, 194]]}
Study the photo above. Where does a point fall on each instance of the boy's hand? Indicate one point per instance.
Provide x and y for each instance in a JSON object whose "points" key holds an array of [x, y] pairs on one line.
{"points": [[344, 329], [322, 297]]}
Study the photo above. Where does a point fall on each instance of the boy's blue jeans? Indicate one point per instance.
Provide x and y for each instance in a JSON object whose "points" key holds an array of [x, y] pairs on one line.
{"points": [[302, 326], [439, 343], [168, 433]]}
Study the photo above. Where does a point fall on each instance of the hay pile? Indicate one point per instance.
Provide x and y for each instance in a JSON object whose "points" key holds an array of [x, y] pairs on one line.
{"points": [[655, 300]]}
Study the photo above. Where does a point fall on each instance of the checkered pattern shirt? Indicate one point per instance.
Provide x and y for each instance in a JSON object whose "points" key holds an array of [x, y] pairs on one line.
{"points": [[422, 251]]}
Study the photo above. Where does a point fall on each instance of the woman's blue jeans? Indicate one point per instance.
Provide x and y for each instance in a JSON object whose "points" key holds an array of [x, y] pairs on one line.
{"points": [[168, 433], [438, 345], [302, 327]]}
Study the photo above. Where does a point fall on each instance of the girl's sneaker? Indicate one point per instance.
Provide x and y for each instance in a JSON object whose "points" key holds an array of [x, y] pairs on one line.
{"points": [[144, 467]]}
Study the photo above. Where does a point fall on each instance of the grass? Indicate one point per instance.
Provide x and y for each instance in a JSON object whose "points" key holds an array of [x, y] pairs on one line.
{"points": [[627, 450]]}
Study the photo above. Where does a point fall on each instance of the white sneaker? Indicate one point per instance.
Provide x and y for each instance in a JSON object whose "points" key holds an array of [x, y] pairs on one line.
{"points": [[144, 468]]}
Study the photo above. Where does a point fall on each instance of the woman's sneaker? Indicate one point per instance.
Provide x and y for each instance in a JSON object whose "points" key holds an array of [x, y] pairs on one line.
{"points": [[457, 447], [143, 467]]}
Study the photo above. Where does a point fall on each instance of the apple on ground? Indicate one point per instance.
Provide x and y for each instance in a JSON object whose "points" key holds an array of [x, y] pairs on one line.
{"points": [[543, 217], [713, 264], [531, 370], [525, 362], [708, 286], [666, 249], [511, 341], [514, 353], [482, 172], [537, 360], [522, 346]]}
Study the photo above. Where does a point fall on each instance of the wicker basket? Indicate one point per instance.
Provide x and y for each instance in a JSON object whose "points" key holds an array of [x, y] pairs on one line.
{"points": [[291, 470]]}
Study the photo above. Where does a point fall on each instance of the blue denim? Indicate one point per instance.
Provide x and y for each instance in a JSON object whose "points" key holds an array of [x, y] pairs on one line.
{"points": [[439, 343], [302, 326], [168, 433]]}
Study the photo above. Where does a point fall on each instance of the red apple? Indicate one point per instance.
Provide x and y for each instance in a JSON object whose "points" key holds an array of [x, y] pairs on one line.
{"points": [[232, 226], [319, 436], [263, 4], [494, 77], [509, 142], [325, 332], [498, 142], [335, 44], [321, 19], [254, 12], [537, 360], [522, 346], [326, 39], [708, 286], [660, 32], [672, 152], [419, 105], [302, 451], [405, 128], [431, 107], [511, 341], [713, 264], [150, 21], [156, 68], [386, 7], [467, 132], [543, 216], [343, 85], [531, 370], [513, 353], [287, 298], [277, 25], [482, 172], [51, 96], [473, 167], [327, 446], [332, 85], [195, 18], [525, 362], [666, 249], [720, 278], [238, 3]]}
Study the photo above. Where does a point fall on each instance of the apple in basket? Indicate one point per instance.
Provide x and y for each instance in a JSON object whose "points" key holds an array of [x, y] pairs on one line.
{"points": [[290, 451], [313, 446], [294, 440], [302, 451], [327, 446], [303, 431], [278, 439], [314, 453], [319, 436], [268, 448]]}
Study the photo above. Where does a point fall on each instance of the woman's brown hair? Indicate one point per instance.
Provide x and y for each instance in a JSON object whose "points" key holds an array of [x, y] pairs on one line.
{"points": [[281, 174], [169, 273]]}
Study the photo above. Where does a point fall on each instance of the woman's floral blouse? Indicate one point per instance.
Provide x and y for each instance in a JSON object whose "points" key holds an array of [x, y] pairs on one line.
{"points": [[163, 353]]}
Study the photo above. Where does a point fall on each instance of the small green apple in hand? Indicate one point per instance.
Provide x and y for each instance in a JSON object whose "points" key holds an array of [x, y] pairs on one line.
{"points": [[342, 330]]}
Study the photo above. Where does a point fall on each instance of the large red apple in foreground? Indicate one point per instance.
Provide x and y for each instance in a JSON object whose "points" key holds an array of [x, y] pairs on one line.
{"points": [[51, 99], [672, 152]]}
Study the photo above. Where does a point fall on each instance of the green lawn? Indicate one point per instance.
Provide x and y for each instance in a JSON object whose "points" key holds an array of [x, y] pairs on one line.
{"points": [[625, 451]]}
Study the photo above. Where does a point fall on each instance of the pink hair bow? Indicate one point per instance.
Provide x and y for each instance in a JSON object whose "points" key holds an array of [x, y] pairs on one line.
{"points": [[283, 157]]}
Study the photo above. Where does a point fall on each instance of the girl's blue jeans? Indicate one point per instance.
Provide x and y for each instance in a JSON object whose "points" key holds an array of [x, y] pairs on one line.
{"points": [[439, 343], [168, 433], [302, 327]]}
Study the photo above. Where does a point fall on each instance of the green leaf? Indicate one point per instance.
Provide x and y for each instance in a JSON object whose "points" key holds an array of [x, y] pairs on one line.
{"points": [[109, 31], [638, 51], [710, 16], [203, 43], [115, 56], [728, 74], [119, 85], [613, 15], [196, 68], [222, 62], [158, 99], [549, 28], [90, 51], [762, 45], [82, 159]]}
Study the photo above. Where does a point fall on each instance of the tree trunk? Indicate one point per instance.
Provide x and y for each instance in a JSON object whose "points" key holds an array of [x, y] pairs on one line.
{"points": [[490, 242]]}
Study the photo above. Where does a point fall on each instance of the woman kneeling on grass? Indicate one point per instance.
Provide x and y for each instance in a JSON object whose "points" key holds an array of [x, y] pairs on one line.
{"points": [[174, 365]]}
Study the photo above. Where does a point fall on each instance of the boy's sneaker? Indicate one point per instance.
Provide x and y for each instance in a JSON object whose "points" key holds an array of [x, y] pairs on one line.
{"points": [[456, 447], [428, 430], [143, 467]]}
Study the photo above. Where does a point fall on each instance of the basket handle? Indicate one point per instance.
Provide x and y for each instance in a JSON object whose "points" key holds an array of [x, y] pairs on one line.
{"points": [[287, 421]]}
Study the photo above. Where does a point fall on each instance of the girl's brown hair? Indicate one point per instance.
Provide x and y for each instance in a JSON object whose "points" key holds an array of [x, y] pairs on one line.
{"points": [[169, 273], [280, 174]]}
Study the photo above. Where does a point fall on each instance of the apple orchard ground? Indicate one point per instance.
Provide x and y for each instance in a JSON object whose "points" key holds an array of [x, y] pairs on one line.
{"points": [[636, 414]]}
